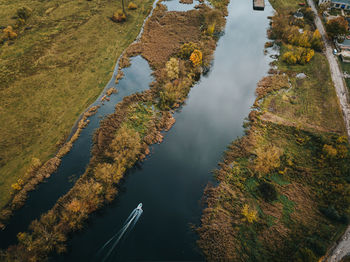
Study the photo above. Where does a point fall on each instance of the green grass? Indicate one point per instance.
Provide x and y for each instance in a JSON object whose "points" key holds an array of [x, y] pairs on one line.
{"points": [[52, 72], [311, 101], [286, 5], [345, 68], [139, 118], [288, 208]]}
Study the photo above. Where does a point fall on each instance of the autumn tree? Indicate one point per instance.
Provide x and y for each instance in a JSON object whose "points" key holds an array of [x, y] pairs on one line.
{"points": [[337, 26], [196, 58], [316, 41]]}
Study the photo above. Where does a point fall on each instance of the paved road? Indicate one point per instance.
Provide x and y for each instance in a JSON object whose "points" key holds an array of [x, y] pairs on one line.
{"points": [[343, 247]]}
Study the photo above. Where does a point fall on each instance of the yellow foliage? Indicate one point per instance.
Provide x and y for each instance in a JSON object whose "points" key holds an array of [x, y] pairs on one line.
{"points": [[268, 158], [119, 16], [18, 186], [298, 55], [172, 68], [9, 33], [132, 6], [196, 58], [125, 147], [329, 151], [187, 49], [249, 214], [211, 29]]}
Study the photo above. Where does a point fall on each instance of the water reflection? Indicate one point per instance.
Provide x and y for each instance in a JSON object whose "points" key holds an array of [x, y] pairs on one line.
{"points": [[171, 182], [174, 5]]}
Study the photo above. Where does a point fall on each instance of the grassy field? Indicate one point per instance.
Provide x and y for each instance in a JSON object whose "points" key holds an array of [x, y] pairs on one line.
{"points": [[310, 102], [60, 62]]}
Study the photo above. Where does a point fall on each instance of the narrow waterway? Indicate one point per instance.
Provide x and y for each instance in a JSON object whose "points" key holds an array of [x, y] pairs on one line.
{"points": [[170, 182], [137, 78]]}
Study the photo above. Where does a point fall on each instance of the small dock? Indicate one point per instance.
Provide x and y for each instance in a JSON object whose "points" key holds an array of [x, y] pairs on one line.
{"points": [[258, 4]]}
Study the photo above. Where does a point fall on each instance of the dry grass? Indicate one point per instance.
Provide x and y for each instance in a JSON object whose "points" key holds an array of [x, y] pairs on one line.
{"points": [[52, 72]]}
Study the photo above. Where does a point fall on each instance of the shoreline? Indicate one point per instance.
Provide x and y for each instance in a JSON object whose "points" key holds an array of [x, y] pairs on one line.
{"points": [[263, 204], [37, 173]]}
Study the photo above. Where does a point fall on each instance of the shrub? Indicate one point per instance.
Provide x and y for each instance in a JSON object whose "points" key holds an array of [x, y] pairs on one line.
{"points": [[24, 12], [187, 49], [132, 6], [18, 185], [268, 159], [250, 215], [316, 41], [172, 68], [9, 33], [268, 191], [211, 29], [196, 58], [329, 151], [337, 26], [289, 58], [298, 55], [119, 16]]}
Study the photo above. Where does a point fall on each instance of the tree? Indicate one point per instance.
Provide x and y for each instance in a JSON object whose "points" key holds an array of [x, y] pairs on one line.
{"points": [[123, 7], [316, 41], [196, 58], [337, 26]]}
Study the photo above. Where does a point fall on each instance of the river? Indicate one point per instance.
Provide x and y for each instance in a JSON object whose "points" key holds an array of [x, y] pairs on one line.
{"points": [[170, 182]]}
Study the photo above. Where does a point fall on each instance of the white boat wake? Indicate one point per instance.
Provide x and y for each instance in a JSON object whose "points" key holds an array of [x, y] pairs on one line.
{"points": [[105, 252]]}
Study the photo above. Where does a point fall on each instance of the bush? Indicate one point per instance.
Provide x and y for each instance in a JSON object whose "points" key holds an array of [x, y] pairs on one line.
{"points": [[268, 191], [337, 26], [9, 33], [196, 58], [172, 68], [132, 6], [298, 55], [119, 16], [250, 215], [187, 49], [24, 12]]}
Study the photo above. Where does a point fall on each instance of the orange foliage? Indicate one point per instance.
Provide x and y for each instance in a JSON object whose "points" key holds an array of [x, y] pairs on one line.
{"points": [[196, 58]]}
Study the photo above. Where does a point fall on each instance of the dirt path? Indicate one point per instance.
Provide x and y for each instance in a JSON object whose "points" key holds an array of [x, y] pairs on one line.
{"points": [[342, 248]]}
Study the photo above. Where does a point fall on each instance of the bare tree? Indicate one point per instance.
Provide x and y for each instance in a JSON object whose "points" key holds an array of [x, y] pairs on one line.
{"points": [[123, 7]]}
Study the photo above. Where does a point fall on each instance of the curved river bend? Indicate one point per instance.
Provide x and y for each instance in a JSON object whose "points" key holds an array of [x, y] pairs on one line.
{"points": [[171, 181]]}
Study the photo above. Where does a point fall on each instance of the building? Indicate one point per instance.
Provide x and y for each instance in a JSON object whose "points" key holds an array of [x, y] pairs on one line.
{"points": [[338, 4], [344, 46], [344, 49]]}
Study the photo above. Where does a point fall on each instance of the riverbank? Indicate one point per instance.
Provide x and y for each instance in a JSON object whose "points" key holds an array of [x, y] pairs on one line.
{"points": [[177, 58], [283, 188], [57, 42]]}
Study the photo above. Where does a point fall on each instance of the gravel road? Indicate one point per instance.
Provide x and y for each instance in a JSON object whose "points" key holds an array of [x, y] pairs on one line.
{"points": [[342, 248]]}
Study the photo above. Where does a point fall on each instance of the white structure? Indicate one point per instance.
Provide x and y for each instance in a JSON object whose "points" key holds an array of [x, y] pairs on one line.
{"points": [[338, 4]]}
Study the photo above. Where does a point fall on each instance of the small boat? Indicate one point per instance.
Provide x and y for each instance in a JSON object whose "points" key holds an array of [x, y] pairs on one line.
{"points": [[139, 206]]}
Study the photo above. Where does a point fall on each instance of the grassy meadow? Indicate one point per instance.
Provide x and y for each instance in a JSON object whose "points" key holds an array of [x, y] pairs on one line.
{"points": [[59, 63]]}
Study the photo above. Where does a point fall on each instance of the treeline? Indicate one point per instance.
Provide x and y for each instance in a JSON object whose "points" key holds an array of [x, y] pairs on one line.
{"points": [[298, 36]]}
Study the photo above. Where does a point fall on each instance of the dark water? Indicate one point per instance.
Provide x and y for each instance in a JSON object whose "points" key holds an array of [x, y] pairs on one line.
{"points": [[137, 78], [170, 182]]}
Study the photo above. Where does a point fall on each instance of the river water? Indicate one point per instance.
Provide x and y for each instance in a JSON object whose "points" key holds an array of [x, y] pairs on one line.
{"points": [[171, 181]]}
